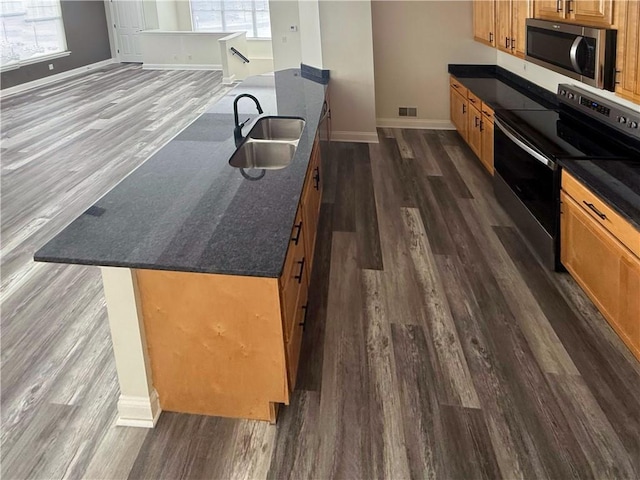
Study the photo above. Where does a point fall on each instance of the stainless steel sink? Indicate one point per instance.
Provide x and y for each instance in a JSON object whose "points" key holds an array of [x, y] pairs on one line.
{"points": [[263, 154], [277, 128]]}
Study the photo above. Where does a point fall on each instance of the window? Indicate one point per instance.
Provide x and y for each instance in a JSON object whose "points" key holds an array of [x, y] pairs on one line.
{"points": [[30, 29], [251, 16]]}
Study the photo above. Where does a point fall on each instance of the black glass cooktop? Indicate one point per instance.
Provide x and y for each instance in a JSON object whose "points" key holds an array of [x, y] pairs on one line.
{"points": [[560, 135]]}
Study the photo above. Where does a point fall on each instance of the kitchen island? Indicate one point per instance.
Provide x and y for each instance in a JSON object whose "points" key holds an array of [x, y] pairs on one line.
{"points": [[205, 270]]}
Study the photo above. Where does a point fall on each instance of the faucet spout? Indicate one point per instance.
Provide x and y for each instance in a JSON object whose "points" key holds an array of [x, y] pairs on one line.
{"points": [[237, 132]]}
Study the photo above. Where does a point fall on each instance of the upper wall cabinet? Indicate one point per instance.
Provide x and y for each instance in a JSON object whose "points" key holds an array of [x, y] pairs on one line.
{"points": [[484, 22], [501, 23], [628, 55], [597, 13]]}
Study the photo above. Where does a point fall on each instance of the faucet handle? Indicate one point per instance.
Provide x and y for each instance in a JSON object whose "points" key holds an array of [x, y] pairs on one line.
{"points": [[245, 122]]}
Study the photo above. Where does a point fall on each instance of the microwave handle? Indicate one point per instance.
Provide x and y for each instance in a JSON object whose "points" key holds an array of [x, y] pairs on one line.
{"points": [[511, 136], [573, 54]]}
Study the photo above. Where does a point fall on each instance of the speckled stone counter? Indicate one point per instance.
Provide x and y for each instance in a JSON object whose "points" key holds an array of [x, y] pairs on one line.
{"points": [[615, 182], [500, 88], [187, 209]]}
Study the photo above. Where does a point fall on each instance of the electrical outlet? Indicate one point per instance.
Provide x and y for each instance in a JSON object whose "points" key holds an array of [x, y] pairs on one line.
{"points": [[51, 66], [293, 28]]}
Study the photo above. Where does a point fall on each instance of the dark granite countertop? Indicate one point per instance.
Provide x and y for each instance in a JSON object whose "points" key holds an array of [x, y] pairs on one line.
{"points": [[186, 209], [617, 182], [501, 89]]}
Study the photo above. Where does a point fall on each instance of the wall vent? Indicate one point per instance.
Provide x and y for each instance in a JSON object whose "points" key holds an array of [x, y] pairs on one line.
{"points": [[407, 111]]}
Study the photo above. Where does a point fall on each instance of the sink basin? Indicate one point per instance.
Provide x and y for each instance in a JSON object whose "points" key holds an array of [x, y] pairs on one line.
{"points": [[266, 155], [277, 128]]}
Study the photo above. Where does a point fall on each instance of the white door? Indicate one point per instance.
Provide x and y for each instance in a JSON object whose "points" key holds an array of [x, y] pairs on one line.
{"points": [[128, 21]]}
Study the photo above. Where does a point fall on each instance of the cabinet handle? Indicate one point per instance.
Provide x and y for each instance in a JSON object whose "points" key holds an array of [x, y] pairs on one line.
{"points": [[513, 43], [464, 108], [304, 318], [595, 210], [482, 125], [569, 9], [506, 42], [559, 6], [299, 276], [296, 239], [454, 85], [490, 37], [316, 178], [616, 81], [476, 121], [472, 100]]}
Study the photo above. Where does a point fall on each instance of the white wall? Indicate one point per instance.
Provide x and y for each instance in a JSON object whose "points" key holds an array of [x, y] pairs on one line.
{"points": [[164, 49], [413, 42], [286, 44], [167, 15], [550, 80], [347, 51], [260, 52], [310, 31]]}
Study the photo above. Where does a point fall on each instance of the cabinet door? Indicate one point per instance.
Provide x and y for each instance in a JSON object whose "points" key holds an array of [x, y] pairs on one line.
{"points": [[487, 143], [604, 268], [628, 57], [484, 21], [474, 135], [591, 12], [311, 199], [520, 11], [549, 9], [459, 112], [503, 25]]}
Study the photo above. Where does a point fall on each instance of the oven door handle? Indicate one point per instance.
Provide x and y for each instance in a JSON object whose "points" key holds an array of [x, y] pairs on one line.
{"points": [[573, 54], [530, 150]]}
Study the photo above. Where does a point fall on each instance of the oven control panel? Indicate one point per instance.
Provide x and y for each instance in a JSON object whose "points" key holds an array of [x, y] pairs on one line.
{"points": [[623, 119]]}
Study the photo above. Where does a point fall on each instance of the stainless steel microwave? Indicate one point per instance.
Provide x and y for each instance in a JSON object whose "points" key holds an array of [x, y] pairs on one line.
{"points": [[584, 53]]}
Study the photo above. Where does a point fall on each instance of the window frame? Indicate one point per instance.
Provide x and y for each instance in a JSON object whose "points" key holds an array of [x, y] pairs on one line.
{"points": [[254, 20], [64, 51]]}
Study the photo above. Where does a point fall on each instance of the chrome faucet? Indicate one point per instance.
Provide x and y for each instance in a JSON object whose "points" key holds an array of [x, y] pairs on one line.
{"points": [[237, 131]]}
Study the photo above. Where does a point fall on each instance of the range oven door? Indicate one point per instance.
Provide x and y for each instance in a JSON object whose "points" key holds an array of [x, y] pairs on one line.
{"points": [[526, 185]]}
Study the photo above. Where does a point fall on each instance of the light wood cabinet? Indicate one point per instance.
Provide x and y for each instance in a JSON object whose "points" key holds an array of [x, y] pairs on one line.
{"points": [[484, 21], [508, 23], [474, 132], [229, 345], [597, 13], [603, 266], [486, 127], [628, 55], [459, 110]]}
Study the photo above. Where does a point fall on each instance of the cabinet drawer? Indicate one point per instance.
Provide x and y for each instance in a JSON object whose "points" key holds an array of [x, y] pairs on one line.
{"points": [[487, 112], [294, 295], [474, 100], [458, 86], [602, 213]]}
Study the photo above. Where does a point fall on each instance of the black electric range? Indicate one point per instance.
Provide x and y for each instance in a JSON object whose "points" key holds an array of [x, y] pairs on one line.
{"points": [[530, 143]]}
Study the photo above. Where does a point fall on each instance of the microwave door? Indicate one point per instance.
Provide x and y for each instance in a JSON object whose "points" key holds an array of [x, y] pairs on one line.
{"points": [[577, 55]]}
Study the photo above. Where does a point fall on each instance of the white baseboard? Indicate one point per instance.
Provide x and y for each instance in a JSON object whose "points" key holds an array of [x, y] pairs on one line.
{"points": [[23, 87], [229, 80], [180, 66], [421, 123], [141, 412], [356, 137]]}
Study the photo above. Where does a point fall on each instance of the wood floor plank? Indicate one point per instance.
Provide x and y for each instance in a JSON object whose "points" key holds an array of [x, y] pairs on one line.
{"points": [[616, 389], [454, 180], [388, 454], [366, 219], [405, 148], [457, 385], [422, 153], [345, 208]]}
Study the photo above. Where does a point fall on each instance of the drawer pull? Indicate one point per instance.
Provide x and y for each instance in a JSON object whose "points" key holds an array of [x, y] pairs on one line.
{"points": [[482, 125], [299, 276], [316, 178], [477, 121], [490, 37], [464, 108], [595, 210], [298, 227], [454, 85], [472, 100], [304, 317]]}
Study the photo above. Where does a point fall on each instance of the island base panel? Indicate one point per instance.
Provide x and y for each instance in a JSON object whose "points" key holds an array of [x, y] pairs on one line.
{"points": [[215, 343]]}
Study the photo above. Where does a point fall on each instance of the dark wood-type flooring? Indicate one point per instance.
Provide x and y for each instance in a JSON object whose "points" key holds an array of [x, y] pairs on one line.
{"points": [[436, 346]]}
